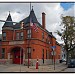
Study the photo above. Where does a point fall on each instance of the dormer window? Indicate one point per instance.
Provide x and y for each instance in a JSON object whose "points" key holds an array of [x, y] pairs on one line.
{"points": [[4, 35]]}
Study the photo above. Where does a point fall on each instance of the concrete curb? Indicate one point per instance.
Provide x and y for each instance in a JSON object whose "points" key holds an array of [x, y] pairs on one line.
{"points": [[63, 69]]}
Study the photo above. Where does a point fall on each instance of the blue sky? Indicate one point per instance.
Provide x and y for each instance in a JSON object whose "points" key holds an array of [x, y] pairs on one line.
{"points": [[66, 5]]}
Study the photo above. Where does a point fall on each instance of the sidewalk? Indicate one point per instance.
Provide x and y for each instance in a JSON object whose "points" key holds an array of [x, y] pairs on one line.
{"points": [[22, 68]]}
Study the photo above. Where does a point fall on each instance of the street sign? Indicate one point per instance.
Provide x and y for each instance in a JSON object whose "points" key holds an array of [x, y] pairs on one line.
{"points": [[52, 53], [53, 47]]}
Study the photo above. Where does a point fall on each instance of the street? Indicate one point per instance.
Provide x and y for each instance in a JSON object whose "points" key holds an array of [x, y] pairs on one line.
{"points": [[69, 70], [45, 68], [22, 68]]}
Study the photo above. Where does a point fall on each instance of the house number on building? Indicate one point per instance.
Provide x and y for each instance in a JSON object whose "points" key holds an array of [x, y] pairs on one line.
{"points": [[16, 42]]}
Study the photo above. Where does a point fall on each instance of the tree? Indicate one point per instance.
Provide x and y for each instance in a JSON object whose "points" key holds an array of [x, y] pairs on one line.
{"points": [[67, 34]]}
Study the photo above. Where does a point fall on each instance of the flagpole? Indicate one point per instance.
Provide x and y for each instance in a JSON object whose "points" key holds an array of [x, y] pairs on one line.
{"points": [[29, 38]]}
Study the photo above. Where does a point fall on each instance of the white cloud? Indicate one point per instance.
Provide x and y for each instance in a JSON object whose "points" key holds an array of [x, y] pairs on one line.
{"points": [[53, 13]]}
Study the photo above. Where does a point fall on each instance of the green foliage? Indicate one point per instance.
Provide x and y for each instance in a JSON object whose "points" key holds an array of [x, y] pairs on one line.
{"points": [[68, 34]]}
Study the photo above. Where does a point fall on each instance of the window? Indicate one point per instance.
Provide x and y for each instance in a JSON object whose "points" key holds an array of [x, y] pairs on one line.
{"points": [[29, 33], [4, 35], [43, 36], [29, 52], [3, 53], [21, 35], [17, 36]]}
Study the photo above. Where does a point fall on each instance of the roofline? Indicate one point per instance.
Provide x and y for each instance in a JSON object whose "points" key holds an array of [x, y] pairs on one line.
{"points": [[58, 43]]}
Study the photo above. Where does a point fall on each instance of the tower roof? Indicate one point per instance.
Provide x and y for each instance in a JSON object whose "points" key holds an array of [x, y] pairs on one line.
{"points": [[31, 16], [8, 24], [27, 20]]}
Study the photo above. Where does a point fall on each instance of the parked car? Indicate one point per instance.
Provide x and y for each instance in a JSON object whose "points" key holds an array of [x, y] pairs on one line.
{"points": [[71, 63]]}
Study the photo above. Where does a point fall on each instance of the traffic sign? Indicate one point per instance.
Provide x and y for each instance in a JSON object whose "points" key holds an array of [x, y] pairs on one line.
{"points": [[53, 47]]}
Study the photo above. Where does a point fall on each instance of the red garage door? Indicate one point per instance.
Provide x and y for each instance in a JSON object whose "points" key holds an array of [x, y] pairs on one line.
{"points": [[17, 56]]}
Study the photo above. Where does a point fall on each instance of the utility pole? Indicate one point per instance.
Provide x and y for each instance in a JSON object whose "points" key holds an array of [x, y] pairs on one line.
{"points": [[29, 37]]}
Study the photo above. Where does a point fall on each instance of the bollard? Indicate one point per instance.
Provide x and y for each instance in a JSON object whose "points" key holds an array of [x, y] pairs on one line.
{"points": [[37, 64]]}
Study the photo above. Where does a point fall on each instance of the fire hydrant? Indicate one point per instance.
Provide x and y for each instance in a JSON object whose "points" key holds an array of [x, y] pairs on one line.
{"points": [[37, 64]]}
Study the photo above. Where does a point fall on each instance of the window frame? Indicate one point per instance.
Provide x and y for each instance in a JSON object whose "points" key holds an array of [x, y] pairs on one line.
{"points": [[4, 36], [21, 35], [29, 33], [3, 53], [17, 35]]}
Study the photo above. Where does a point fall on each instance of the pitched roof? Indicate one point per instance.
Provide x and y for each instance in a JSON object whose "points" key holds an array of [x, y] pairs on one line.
{"points": [[27, 20], [33, 18], [8, 24]]}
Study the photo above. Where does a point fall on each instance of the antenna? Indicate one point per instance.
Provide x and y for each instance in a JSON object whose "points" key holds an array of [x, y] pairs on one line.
{"points": [[9, 12], [30, 6]]}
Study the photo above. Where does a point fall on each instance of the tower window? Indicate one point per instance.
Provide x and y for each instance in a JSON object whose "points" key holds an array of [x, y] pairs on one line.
{"points": [[4, 35]]}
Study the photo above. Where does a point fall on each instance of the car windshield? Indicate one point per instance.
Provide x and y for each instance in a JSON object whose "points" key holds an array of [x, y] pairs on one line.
{"points": [[72, 60]]}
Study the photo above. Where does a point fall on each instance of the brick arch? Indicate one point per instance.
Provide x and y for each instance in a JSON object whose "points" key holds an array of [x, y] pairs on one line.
{"points": [[16, 54], [10, 49]]}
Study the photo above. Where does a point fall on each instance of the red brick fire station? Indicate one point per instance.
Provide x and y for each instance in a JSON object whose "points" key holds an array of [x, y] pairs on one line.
{"points": [[22, 40]]}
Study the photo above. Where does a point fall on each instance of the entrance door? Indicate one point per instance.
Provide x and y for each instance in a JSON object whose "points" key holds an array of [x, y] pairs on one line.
{"points": [[18, 57]]}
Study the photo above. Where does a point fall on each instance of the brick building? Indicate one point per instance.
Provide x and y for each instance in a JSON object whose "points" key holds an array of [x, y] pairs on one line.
{"points": [[22, 40]]}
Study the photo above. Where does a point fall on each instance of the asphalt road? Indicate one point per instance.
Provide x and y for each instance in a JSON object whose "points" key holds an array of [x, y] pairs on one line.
{"points": [[69, 70]]}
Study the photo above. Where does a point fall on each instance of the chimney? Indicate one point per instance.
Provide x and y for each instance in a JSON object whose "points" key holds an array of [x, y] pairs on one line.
{"points": [[43, 20]]}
